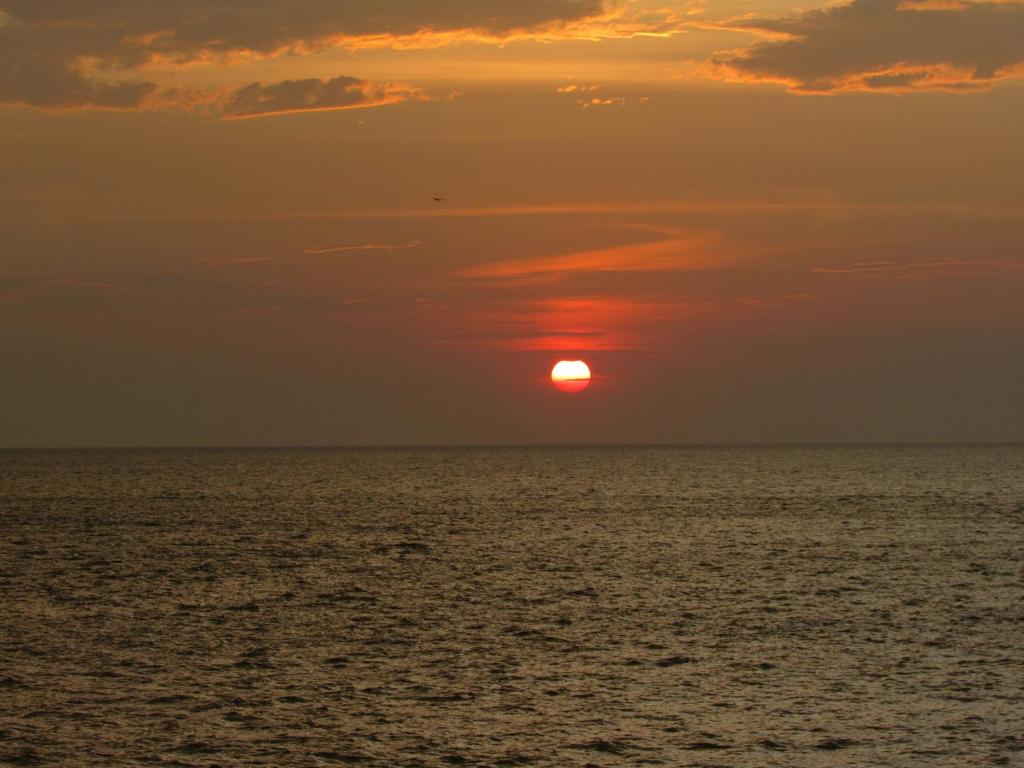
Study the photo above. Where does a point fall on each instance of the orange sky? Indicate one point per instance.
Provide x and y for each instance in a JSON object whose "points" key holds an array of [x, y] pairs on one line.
{"points": [[757, 221]]}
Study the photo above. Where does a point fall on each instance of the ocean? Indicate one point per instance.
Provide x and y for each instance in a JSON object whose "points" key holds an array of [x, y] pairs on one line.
{"points": [[690, 606]]}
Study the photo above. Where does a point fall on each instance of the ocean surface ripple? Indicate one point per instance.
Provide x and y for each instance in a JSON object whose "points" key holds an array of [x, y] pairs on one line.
{"points": [[818, 606]]}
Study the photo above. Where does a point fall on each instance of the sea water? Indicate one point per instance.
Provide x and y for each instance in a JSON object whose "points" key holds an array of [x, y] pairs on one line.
{"points": [[693, 606]]}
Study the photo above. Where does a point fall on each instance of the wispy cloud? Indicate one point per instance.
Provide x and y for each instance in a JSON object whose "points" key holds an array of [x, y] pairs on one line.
{"points": [[776, 303], [362, 247], [675, 250], [924, 269], [241, 261], [86, 284], [712, 206], [772, 206]]}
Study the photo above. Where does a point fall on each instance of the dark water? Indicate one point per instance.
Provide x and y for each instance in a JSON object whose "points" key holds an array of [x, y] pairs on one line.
{"points": [[541, 607]]}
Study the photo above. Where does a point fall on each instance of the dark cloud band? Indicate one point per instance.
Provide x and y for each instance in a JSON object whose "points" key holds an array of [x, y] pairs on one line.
{"points": [[886, 45], [51, 50], [309, 95]]}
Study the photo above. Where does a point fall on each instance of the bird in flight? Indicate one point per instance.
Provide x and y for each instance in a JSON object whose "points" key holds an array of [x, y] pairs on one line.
{"points": [[439, 199]]}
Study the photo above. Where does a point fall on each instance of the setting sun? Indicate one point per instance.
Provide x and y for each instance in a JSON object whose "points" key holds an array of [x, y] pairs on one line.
{"points": [[571, 375]]}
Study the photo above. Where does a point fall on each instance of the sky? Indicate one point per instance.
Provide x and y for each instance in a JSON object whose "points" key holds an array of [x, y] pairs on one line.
{"points": [[330, 222]]}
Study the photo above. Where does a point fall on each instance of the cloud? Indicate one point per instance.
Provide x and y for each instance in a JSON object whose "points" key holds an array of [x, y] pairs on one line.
{"points": [[90, 53], [312, 95], [777, 302], [924, 269], [591, 101], [675, 251], [241, 260], [38, 69], [615, 101], [884, 45], [577, 88], [98, 285], [363, 247]]}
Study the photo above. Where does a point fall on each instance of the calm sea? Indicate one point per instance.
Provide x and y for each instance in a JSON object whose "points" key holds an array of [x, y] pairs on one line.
{"points": [[825, 606]]}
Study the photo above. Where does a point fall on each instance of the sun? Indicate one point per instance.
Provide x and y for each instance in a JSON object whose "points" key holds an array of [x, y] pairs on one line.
{"points": [[571, 375]]}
